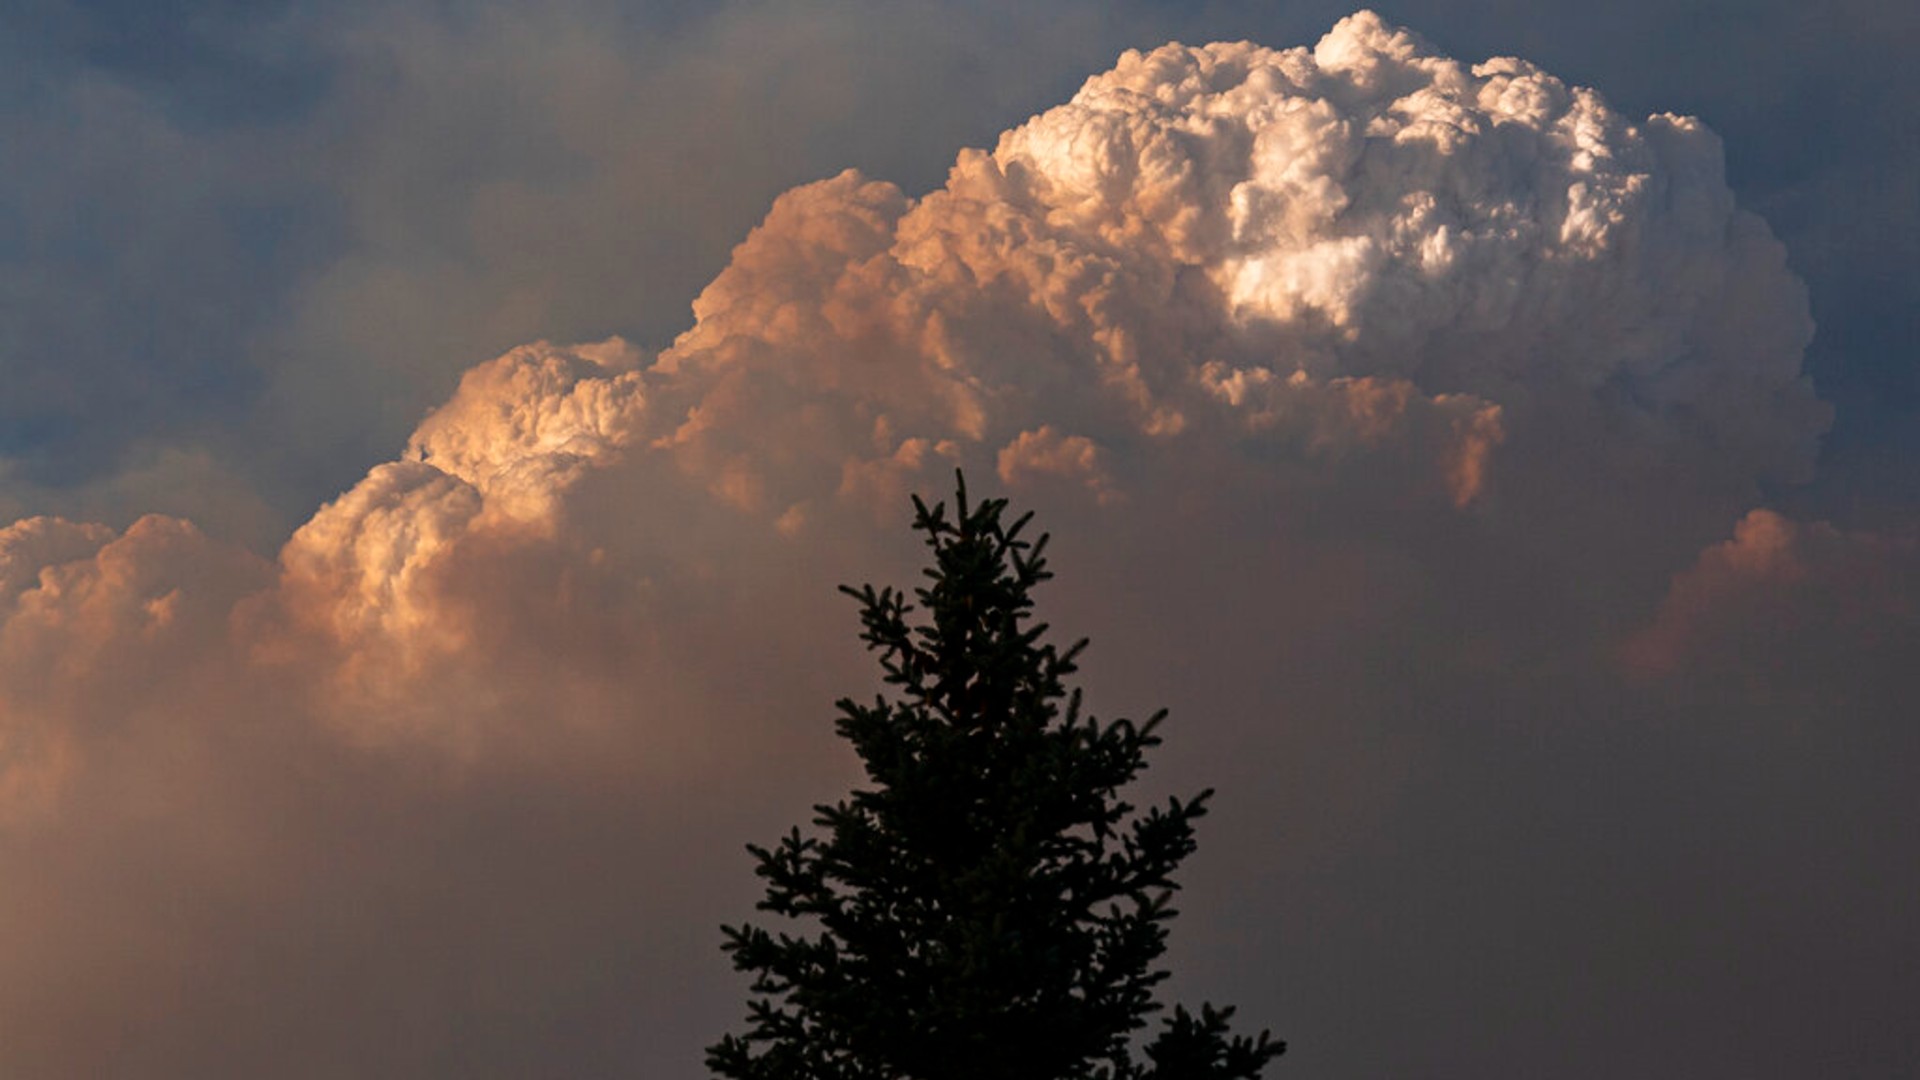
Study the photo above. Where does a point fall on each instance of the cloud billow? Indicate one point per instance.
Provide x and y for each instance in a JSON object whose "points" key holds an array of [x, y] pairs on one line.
{"points": [[1368, 265]]}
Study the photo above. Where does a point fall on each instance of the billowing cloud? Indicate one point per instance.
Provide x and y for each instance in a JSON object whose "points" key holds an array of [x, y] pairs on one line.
{"points": [[1385, 389], [1792, 613], [100, 633], [1363, 264], [1204, 236], [384, 581]]}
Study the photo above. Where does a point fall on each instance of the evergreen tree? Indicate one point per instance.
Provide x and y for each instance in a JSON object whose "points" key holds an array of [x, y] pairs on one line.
{"points": [[989, 909]]}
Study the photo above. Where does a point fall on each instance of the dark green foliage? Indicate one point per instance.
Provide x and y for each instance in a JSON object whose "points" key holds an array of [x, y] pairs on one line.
{"points": [[989, 909]]}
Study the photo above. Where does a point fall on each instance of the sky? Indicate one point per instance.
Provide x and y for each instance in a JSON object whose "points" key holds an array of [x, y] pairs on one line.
{"points": [[433, 434]]}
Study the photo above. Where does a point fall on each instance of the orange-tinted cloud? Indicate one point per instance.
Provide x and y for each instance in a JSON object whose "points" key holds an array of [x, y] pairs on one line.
{"points": [[1359, 375], [1787, 607]]}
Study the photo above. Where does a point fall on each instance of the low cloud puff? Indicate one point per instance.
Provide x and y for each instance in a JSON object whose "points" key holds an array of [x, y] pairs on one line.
{"points": [[1789, 613]]}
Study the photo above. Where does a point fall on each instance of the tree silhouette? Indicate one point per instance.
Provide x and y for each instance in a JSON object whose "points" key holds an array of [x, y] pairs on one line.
{"points": [[989, 909]]}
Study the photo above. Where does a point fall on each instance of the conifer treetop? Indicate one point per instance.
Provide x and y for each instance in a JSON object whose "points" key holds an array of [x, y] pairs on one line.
{"points": [[988, 907]]}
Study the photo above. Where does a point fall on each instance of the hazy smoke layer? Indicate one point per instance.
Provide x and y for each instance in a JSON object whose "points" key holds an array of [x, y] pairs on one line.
{"points": [[1359, 380]]}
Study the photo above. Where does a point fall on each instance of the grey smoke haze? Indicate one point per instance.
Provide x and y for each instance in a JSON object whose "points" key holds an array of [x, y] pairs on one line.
{"points": [[1431, 435]]}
